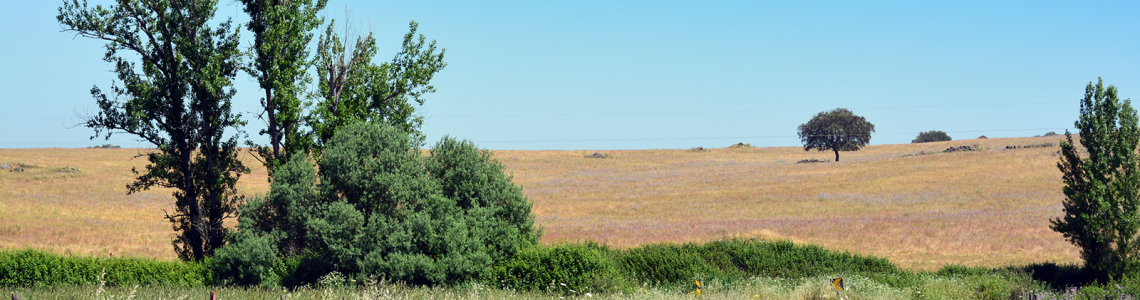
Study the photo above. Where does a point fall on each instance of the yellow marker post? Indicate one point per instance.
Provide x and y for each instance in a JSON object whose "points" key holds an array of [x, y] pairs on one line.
{"points": [[698, 287], [837, 283]]}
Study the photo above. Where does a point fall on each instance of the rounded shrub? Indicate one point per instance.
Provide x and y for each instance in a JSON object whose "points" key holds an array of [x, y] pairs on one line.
{"points": [[931, 136], [379, 207], [249, 261]]}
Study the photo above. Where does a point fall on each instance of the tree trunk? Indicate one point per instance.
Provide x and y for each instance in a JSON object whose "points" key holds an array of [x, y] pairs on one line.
{"points": [[274, 130], [836, 155], [213, 218], [190, 194]]}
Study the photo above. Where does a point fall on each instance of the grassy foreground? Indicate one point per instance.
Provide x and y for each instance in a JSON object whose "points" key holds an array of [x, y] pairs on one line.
{"points": [[735, 269], [928, 286]]}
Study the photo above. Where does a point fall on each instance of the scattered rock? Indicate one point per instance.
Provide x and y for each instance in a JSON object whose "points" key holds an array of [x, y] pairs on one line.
{"points": [[698, 149], [20, 167], [982, 137], [740, 145], [923, 152], [4, 166], [811, 160], [960, 148], [598, 155], [1041, 145]]}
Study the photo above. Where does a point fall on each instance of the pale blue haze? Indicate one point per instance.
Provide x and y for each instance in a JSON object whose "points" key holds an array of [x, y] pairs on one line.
{"points": [[598, 75]]}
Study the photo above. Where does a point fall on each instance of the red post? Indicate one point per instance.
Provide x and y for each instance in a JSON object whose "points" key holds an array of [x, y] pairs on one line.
{"points": [[213, 296]]}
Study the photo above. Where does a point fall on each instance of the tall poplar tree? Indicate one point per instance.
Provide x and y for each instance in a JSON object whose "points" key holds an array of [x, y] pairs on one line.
{"points": [[282, 31], [175, 75], [354, 89], [1102, 188]]}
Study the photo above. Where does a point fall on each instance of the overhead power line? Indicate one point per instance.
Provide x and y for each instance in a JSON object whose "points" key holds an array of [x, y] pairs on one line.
{"points": [[735, 111], [679, 112], [733, 137], [640, 139]]}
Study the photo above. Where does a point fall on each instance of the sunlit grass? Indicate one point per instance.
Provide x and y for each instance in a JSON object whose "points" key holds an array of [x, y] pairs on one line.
{"points": [[980, 208], [983, 208]]}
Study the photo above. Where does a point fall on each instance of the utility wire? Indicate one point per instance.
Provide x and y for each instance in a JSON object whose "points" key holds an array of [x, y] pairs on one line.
{"points": [[735, 111], [734, 137], [675, 112], [667, 139]]}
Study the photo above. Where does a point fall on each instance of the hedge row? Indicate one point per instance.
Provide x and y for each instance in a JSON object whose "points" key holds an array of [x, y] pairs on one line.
{"points": [[590, 267], [37, 269], [565, 269]]}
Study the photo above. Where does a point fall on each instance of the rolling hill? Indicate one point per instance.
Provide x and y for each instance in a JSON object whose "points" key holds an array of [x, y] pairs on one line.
{"points": [[911, 203]]}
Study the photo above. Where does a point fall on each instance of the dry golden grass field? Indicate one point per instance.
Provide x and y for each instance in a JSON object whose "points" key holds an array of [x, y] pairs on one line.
{"points": [[981, 208]]}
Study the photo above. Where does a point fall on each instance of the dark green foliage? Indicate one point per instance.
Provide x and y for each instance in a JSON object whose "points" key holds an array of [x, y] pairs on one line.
{"points": [[836, 130], [282, 31], [383, 214], [284, 212], [176, 79], [1102, 189], [382, 208], [736, 259], [35, 268], [669, 263], [1056, 276], [588, 266], [352, 88], [248, 261], [931, 136], [562, 269], [480, 186]]}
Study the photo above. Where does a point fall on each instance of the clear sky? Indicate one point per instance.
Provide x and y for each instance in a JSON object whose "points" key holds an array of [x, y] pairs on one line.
{"points": [[596, 75]]}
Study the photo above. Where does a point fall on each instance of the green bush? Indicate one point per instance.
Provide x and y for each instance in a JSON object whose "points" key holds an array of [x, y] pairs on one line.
{"points": [[931, 136], [736, 259], [381, 208], [249, 261], [669, 263], [36, 268], [589, 267], [562, 269]]}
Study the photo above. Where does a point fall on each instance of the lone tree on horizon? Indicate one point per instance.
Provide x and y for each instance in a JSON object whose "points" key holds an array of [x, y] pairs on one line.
{"points": [[836, 130]]}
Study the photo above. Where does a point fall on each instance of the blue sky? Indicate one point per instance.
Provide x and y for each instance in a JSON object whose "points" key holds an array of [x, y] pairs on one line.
{"points": [[598, 75]]}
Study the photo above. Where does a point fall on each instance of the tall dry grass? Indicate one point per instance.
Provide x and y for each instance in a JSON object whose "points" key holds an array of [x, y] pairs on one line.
{"points": [[87, 211], [982, 208]]}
